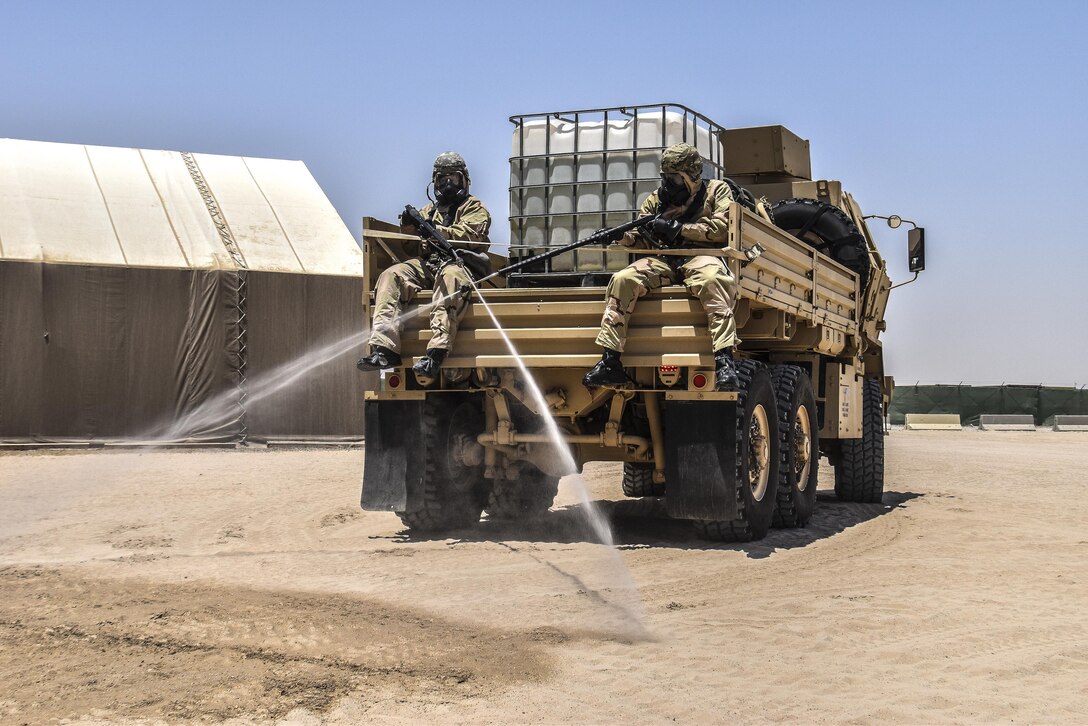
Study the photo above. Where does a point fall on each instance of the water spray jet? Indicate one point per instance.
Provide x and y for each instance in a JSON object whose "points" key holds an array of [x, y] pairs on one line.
{"points": [[594, 517], [221, 408]]}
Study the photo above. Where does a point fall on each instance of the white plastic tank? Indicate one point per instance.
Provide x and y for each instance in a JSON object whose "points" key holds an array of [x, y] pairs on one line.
{"points": [[571, 177]]}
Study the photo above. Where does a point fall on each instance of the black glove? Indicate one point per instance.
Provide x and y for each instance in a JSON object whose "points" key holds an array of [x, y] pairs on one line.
{"points": [[666, 230], [407, 222]]}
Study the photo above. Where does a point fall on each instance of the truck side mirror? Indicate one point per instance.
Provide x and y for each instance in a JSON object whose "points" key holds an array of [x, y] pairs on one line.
{"points": [[916, 249]]}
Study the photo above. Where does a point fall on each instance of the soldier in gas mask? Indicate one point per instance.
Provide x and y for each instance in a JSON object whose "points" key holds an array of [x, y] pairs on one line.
{"points": [[460, 217], [693, 213]]}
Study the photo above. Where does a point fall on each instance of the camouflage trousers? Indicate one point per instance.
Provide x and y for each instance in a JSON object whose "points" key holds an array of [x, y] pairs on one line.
{"points": [[705, 277], [399, 284]]}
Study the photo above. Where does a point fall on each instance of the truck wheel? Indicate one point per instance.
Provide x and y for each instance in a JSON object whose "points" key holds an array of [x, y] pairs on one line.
{"points": [[529, 497], [859, 472], [798, 445], [453, 492], [638, 480], [757, 460], [828, 229]]}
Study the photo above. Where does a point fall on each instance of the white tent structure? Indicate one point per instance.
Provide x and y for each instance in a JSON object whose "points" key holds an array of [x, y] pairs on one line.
{"points": [[136, 285]]}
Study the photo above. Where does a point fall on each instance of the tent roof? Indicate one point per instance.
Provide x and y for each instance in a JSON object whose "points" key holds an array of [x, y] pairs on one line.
{"points": [[70, 203]]}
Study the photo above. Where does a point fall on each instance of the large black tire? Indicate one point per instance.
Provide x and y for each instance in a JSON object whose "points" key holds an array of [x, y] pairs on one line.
{"points": [[638, 480], [798, 446], [859, 471], [529, 497], [453, 493], [832, 233], [757, 460]]}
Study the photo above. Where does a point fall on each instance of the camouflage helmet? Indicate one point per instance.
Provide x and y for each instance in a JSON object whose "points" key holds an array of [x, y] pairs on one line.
{"points": [[683, 159], [450, 162]]}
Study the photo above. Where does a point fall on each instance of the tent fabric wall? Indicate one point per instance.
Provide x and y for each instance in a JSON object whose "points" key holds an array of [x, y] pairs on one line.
{"points": [[121, 272], [22, 349], [289, 315], [206, 360], [104, 352], [1040, 402]]}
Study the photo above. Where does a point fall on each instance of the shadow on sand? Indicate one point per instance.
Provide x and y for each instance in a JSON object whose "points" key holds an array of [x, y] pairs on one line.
{"points": [[644, 523]]}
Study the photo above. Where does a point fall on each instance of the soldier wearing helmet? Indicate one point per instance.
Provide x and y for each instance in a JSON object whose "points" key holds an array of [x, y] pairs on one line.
{"points": [[693, 213], [464, 221]]}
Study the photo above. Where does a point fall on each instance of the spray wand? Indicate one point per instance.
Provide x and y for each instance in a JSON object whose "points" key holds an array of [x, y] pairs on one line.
{"points": [[477, 264], [601, 236]]}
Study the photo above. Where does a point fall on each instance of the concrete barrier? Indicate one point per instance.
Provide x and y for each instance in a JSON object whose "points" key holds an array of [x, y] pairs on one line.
{"points": [[933, 422], [1005, 422], [1071, 423]]}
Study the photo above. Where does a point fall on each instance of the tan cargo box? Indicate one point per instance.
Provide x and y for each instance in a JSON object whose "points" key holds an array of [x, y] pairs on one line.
{"points": [[766, 150]]}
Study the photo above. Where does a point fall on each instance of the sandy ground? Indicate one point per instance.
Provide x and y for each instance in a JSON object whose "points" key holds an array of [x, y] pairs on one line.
{"points": [[248, 586]]}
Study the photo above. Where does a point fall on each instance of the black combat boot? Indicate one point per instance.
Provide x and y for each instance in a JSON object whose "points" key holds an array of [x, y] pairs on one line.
{"points": [[608, 373], [380, 357], [426, 368], [725, 373]]}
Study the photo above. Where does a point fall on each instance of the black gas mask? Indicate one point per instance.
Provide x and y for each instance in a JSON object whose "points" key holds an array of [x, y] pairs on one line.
{"points": [[449, 188], [673, 191]]}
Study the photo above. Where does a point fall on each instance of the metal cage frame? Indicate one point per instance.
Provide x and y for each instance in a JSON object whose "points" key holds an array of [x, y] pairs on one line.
{"points": [[690, 119]]}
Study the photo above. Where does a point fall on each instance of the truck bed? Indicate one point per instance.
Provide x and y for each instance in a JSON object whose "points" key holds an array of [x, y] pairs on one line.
{"points": [[791, 297]]}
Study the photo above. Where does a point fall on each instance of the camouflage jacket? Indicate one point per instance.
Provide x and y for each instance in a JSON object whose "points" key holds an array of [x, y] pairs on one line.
{"points": [[707, 226], [468, 222]]}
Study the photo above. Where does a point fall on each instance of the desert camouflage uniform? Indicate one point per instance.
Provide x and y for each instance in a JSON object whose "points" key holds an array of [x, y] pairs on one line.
{"points": [[398, 285], [706, 277]]}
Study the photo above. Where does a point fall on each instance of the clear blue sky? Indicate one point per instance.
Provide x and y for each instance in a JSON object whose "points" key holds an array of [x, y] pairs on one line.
{"points": [[971, 118]]}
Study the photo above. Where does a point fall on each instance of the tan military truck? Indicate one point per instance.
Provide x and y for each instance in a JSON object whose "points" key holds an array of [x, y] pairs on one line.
{"points": [[812, 294]]}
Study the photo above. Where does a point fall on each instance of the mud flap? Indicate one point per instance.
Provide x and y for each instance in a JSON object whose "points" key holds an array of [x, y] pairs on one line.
{"points": [[394, 463], [700, 459]]}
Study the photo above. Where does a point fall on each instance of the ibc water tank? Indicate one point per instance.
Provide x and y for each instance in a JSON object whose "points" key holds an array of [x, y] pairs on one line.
{"points": [[573, 173]]}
